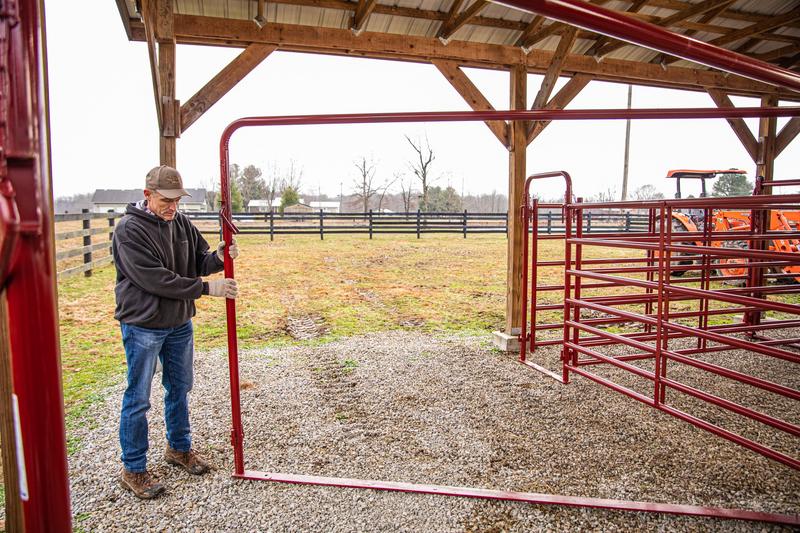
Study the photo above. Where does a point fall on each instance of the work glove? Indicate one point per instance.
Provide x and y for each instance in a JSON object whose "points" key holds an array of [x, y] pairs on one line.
{"points": [[223, 288], [233, 252]]}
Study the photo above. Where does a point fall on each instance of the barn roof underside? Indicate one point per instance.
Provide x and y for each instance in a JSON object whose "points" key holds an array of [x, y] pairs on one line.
{"points": [[485, 34]]}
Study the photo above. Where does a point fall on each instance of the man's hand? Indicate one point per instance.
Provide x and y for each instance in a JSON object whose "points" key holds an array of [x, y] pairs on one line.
{"points": [[233, 251], [223, 288]]}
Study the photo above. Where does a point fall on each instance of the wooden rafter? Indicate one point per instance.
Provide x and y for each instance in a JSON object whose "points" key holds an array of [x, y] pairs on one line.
{"points": [[223, 82], [666, 22], [738, 125], [787, 135], [561, 99], [707, 17], [363, 11], [240, 33], [758, 28], [554, 70], [452, 25], [777, 53], [790, 62], [532, 27], [152, 55], [473, 96], [602, 41], [545, 32]]}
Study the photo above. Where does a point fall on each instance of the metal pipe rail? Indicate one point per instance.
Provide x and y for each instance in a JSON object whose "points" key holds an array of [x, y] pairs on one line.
{"points": [[651, 333], [229, 229]]}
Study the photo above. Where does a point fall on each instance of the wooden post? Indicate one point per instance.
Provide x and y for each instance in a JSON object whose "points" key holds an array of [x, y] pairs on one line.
{"points": [[516, 181], [418, 223], [767, 131], [321, 229], [170, 107], [111, 222], [86, 223], [549, 222], [271, 224], [370, 223], [588, 222], [14, 515], [465, 223]]}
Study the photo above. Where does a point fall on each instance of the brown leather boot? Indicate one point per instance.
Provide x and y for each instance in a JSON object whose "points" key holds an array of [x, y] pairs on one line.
{"points": [[190, 461], [142, 484]]}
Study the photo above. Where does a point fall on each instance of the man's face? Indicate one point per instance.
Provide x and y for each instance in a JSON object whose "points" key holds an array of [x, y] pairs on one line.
{"points": [[162, 206]]}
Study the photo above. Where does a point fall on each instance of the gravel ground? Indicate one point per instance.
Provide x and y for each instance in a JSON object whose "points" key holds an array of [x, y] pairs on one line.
{"points": [[405, 406]]}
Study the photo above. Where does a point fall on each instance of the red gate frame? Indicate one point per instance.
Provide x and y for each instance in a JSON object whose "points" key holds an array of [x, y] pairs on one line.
{"points": [[229, 229]]}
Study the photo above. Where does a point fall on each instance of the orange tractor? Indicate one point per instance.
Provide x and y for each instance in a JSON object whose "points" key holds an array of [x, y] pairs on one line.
{"points": [[728, 221]]}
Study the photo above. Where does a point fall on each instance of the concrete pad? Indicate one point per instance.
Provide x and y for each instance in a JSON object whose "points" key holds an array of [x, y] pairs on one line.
{"points": [[505, 342]]}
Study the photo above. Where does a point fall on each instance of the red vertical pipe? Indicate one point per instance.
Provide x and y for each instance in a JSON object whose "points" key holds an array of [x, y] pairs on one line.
{"points": [[613, 24], [534, 269], [237, 432], [523, 308], [31, 284]]}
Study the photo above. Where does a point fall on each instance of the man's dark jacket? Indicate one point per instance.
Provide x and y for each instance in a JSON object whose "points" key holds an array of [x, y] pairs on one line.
{"points": [[158, 267]]}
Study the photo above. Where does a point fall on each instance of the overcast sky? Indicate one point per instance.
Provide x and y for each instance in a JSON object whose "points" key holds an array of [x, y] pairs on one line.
{"points": [[104, 132]]}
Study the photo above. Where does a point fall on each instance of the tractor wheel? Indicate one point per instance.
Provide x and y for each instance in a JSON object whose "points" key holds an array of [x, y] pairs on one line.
{"points": [[731, 269], [679, 269]]}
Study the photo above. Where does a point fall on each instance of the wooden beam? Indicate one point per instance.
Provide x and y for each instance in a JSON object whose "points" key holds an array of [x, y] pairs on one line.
{"points": [[776, 54], [240, 33], [453, 25], [554, 70], [516, 182], [737, 124], [603, 40], [561, 100], [170, 109], [529, 30], [364, 10], [543, 33], [757, 28], [787, 135], [666, 22], [765, 163], [152, 56], [223, 82], [473, 96]]}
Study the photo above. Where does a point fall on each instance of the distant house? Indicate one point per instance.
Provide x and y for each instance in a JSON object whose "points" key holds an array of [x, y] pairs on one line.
{"points": [[326, 207], [105, 200], [263, 206], [299, 208], [259, 206]]}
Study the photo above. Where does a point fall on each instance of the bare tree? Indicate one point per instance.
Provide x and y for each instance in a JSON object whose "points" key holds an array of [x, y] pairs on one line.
{"points": [[293, 177], [273, 183], [647, 192], [421, 167], [363, 183], [385, 188], [405, 193]]}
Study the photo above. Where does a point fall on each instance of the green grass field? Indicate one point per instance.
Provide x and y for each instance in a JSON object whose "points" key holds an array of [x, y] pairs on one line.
{"points": [[300, 288]]}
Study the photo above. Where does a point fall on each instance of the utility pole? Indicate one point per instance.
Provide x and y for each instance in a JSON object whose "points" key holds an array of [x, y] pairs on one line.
{"points": [[627, 148]]}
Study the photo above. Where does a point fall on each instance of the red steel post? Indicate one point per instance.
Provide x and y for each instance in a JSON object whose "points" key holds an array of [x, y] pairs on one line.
{"points": [[30, 277]]}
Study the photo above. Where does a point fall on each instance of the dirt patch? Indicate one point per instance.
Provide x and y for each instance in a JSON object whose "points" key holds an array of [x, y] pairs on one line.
{"points": [[305, 327]]}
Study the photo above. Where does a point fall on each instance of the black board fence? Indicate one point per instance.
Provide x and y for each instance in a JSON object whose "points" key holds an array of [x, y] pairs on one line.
{"points": [[371, 223], [96, 241]]}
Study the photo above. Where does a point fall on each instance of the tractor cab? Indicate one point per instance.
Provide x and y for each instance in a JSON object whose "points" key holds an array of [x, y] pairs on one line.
{"points": [[701, 175]]}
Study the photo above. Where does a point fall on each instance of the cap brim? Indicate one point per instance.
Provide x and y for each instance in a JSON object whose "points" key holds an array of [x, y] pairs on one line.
{"points": [[173, 193]]}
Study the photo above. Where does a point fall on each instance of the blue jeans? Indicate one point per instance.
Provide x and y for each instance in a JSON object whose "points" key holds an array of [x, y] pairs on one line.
{"points": [[175, 348]]}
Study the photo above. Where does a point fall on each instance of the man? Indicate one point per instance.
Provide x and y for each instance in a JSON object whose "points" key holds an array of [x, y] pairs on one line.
{"points": [[160, 256]]}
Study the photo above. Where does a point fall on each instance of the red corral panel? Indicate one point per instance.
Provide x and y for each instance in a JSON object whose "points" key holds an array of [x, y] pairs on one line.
{"points": [[27, 270]]}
